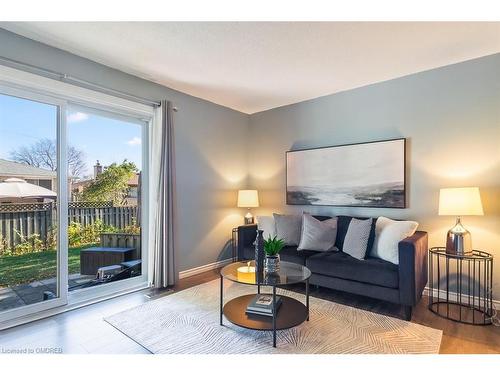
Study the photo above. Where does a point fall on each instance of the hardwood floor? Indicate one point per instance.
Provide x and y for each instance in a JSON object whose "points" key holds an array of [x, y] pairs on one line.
{"points": [[84, 330]]}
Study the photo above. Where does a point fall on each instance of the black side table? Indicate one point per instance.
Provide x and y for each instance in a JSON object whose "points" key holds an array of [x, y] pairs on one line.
{"points": [[461, 286], [234, 244], [235, 239]]}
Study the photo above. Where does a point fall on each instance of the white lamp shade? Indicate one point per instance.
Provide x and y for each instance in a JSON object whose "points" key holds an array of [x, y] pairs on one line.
{"points": [[248, 198], [460, 201]]}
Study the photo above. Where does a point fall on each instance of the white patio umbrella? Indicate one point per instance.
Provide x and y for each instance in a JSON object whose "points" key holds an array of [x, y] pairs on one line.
{"points": [[18, 188]]}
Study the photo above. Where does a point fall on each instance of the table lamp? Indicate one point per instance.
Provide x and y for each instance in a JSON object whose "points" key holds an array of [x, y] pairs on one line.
{"points": [[459, 202], [248, 199]]}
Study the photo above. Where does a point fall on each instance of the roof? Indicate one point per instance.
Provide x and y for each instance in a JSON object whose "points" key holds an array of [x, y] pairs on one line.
{"points": [[134, 180], [12, 168]]}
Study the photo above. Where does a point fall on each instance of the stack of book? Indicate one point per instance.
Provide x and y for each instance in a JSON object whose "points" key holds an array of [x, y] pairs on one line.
{"points": [[262, 304]]}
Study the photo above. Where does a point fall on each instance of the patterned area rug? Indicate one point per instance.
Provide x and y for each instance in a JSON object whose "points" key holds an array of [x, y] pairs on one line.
{"points": [[187, 322]]}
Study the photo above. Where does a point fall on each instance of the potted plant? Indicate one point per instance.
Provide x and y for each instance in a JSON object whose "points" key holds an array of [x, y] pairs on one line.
{"points": [[272, 247]]}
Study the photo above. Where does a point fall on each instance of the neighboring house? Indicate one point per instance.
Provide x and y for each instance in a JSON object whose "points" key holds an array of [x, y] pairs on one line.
{"points": [[133, 191], [77, 187], [33, 175]]}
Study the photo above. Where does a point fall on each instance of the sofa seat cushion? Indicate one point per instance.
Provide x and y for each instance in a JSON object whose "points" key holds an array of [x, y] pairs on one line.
{"points": [[370, 270], [287, 254], [291, 254]]}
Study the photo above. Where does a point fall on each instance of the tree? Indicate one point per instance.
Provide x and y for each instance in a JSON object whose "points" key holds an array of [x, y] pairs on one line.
{"points": [[43, 154], [111, 184]]}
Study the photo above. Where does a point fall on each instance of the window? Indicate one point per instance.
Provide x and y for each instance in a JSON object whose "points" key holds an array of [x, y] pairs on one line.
{"points": [[47, 184]]}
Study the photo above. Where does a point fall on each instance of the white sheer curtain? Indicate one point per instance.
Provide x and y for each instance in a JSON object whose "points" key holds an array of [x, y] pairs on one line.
{"points": [[161, 228]]}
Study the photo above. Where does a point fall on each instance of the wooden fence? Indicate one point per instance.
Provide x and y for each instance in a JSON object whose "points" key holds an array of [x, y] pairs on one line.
{"points": [[24, 220], [122, 240]]}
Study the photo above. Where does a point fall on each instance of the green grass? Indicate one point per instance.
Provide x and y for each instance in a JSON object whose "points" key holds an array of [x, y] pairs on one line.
{"points": [[22, 269]]}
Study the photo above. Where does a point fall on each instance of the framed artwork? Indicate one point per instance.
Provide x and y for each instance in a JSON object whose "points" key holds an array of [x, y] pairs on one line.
{"points": [[370, 174]]}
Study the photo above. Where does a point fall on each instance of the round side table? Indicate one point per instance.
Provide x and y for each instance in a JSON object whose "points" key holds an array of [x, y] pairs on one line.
{"points": [[461, 286]]}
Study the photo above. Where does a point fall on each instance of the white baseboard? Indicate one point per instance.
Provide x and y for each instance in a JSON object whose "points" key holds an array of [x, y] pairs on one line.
{"points": [[454, 296], [201, 269]]}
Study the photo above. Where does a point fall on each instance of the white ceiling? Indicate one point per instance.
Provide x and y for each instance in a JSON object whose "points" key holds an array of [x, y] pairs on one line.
{"points": [[256, 66]]}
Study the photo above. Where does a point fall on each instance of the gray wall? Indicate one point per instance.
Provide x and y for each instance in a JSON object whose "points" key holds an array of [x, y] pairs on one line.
{"points": [[451, 118], [210, 143]]}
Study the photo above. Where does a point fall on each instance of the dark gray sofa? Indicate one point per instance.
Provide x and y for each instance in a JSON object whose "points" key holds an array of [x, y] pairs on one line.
{"points": [[401, 284]]}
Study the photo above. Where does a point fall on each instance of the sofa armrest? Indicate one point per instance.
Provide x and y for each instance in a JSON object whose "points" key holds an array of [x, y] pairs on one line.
{"points": [[246, 237], [412, 268]]}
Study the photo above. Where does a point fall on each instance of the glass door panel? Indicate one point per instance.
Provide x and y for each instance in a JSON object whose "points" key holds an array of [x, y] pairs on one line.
{"points": [[105, 166], [30, 197]]}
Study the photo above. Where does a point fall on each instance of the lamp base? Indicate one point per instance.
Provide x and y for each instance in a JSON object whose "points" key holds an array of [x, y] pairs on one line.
{"points": [[458, 240], [249, 218]]}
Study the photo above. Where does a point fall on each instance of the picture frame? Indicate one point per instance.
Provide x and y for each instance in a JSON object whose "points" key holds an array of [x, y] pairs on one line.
{"points": [[365, 174]]}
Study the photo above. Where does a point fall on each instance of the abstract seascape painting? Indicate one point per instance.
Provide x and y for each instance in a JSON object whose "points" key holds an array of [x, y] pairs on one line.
{"points": [[361, 175]]}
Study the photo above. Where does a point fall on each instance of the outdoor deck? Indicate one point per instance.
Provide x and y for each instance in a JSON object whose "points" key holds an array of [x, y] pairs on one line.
{"points": [[27, 294]]}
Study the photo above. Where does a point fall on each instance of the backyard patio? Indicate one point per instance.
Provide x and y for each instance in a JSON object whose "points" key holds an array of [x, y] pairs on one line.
{"points": [[26, 294], [24, 278], [28, 261]]}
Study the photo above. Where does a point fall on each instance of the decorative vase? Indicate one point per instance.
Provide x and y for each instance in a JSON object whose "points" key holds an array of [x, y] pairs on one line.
{"points": [[272, 263], [259, 253], [272, 278]]}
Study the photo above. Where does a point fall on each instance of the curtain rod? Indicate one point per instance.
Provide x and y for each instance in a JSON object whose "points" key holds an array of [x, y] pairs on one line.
{"points": [[74, 81]]}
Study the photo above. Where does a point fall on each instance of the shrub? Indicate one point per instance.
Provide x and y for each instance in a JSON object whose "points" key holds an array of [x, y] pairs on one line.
{"points": [[79, 235], [132, 228], [4, 249], [51, 238], [27, 244]]}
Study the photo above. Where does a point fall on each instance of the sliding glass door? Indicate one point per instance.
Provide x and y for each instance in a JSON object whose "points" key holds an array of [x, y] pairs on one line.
{"points": [[33, 179], [73, 201]]}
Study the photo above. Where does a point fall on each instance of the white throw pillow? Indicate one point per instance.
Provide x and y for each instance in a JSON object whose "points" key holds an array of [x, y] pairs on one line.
{"points": [[388, 234], [267, 224]]}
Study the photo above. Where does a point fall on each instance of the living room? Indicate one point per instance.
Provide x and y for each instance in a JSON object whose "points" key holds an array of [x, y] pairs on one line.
{"points": [[178, 187]]}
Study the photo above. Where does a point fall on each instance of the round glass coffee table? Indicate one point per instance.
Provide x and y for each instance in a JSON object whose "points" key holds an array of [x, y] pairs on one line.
{"points": [[291, 312]]}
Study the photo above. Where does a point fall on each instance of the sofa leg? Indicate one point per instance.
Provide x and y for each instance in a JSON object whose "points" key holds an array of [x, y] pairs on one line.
{"points": [[407, 312]]}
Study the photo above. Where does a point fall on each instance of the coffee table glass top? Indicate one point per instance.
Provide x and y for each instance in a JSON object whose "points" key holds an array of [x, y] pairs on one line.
{"points": [[244, 273]]}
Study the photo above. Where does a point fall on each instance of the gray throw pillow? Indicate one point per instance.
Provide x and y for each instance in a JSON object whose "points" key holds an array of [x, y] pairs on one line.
{"points": [[288, 228], [266, 223], [318, 235], [356, 238]]}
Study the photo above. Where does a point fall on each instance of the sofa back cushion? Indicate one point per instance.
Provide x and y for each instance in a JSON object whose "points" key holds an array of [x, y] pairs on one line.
{"points": [[342, 225]]}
